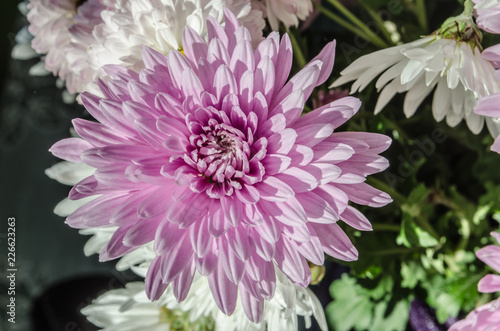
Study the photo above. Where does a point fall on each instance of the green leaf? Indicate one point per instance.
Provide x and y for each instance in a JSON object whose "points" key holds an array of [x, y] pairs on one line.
{"points": [[412, 235], [351, 306], [481, 213], [412, 273], [418, 194], [397, 319], [372, 309]]}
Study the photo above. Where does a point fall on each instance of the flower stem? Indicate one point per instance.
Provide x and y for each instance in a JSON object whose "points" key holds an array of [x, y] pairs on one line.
{"points": [[372, 37], [421, 14], [380, 23], [469, 7], [393, 251], [297, 51], [386, 227], [340, 21]]}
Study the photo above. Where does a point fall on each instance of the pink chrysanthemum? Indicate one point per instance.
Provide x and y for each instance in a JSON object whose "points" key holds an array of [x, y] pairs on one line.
{"points": [[62, 31], [206, 154], [487, 12], [487, 316]]}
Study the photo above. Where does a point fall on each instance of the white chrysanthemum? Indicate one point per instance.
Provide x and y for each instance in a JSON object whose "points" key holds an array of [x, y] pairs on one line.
{"points": [[126, 310], [455, 69], [159, 24], [69, 173], [62, 32], [130, 309], [290, 12], [113, 310]]}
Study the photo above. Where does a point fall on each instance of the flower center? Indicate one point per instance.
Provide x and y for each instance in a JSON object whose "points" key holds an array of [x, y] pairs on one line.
{"points": [[222, 154]]}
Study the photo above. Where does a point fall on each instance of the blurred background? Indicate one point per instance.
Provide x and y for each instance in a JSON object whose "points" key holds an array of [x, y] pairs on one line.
{"points": [[54, 279]]}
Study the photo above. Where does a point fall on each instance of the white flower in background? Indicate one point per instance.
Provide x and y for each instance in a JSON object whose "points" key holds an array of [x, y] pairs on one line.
{"points": [[128, 308], [77, 40], [62, 30], [290, 12], [159, 24], [449, 62]]}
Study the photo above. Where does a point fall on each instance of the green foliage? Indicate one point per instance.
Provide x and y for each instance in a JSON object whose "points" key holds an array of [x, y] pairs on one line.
{"points": [[361, 308], [446, 195]]}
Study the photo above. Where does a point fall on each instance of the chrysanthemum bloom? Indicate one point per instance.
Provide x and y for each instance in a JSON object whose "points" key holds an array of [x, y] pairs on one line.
{"points": [[206, 154], [487, 13], [158, 24], [449, 62], [114, 310], [289, 12], [485, 317], [62, 30]]}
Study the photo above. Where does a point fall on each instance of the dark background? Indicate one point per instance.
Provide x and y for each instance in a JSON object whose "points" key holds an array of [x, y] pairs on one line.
{"points": [[49, 254]]}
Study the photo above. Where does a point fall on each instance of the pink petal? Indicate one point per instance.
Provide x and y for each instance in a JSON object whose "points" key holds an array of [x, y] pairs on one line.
{"points": [[311, 135], [154, 285], [364, 194], [298, 179], [356, 219], [263, 248], [335, 113], [335, 242], [96, 134], [283, 61], [194, 46], [223, 290], [152, 59], [288, 259], [115, 247], [491, 256], [207, 264], [273, 189], [176, 258], [70, 149], [182, 283], [252, 307], [233, 266], [142, 232], [489, 284], [317, 209], [275, 163], [200, 241], [240, 242], [312, 250], [377, 143]]}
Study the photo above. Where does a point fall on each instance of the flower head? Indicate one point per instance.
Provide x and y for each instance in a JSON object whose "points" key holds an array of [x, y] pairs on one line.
{"points": [[449, 62], [62, 30], [159, 24], [206, 154], [487, 316], [289, 12]]}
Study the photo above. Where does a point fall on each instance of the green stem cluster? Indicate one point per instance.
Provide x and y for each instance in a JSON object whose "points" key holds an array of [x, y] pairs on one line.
{"points": [[354, 24]]}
